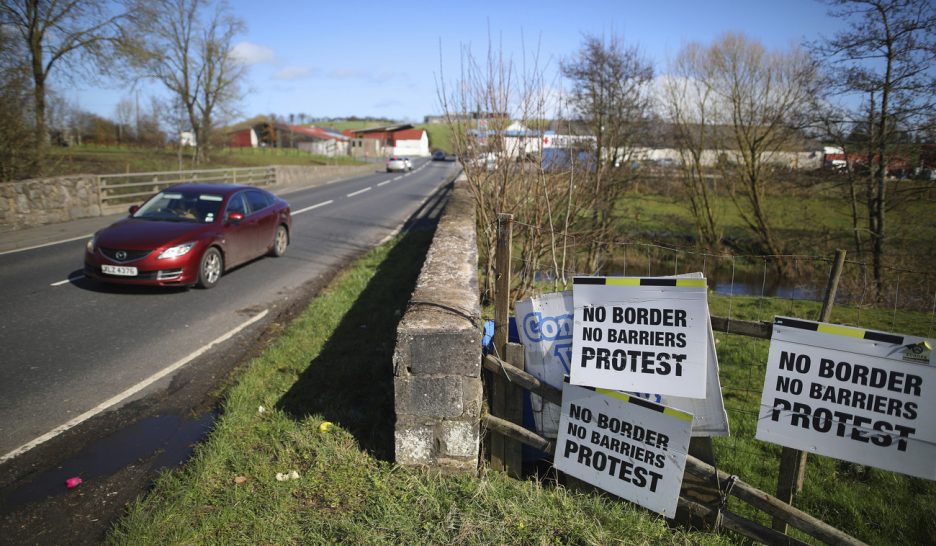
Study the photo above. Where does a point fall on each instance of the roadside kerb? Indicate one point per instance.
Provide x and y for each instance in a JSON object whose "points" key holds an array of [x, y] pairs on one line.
{"points": [[437, 360]]}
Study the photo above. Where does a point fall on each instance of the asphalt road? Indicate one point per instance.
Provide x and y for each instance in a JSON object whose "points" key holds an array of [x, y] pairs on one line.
{"points": [[70, 345]]}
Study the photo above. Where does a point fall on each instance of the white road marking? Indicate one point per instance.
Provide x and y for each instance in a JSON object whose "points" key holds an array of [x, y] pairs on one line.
{"points": [[66, 281], [307, 209], [399, 177], [359, 192], [88, 236], [127, 393], [385, 182]]}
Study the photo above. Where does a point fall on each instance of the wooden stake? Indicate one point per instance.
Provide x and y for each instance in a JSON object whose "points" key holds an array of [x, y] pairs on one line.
{"points": [[793, 461], [499, 386]]}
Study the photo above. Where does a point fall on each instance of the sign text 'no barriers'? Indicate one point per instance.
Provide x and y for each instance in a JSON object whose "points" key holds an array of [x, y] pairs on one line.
{"points": [[640, 334]]}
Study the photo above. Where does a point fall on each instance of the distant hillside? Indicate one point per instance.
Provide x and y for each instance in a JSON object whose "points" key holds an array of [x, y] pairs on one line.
{"points": [[440, 136], [342, 124]]}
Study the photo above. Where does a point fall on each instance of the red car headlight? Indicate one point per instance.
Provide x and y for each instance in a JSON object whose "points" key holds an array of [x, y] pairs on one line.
{"points": [[176, 251]]}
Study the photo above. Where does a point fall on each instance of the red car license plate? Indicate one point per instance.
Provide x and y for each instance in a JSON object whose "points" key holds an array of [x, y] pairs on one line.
{"points": [[119, 270]]}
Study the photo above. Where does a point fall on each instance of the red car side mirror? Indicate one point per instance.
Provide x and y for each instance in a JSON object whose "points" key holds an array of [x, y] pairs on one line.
{"points": [[133, 209]]}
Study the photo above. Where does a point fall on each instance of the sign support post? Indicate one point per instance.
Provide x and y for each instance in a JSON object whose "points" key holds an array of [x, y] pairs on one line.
{"points": [[793, 461], [505, 453]]}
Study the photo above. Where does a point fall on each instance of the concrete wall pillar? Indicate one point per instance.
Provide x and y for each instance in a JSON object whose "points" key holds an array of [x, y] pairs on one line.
{"points": [[437, 360]]}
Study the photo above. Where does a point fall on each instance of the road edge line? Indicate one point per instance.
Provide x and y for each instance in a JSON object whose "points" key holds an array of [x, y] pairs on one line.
{"points": [[24, 249], [128, 392]]}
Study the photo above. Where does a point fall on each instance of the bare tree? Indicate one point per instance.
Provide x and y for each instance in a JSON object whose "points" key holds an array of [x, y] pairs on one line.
{"points": [[759, 102], [58, 33], [186, 45], [16, 148], [497, 110], [610, 94], [691, 108], [479, 109], [836, 127], [886, 55], [124, 115]]}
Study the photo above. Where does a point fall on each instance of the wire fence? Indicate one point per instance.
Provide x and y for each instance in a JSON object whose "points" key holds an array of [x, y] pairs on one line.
{"points": [[743, 288], [755, 277]]}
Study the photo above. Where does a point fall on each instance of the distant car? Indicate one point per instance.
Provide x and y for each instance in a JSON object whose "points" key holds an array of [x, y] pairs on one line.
{"points": [[397, 163], [189, 234], [486, 161], [438, 155]]}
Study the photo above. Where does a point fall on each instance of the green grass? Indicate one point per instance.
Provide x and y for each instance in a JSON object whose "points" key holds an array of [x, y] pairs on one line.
{"points": [[440, 136], [811, 221], [333, 363], [117, 159], [341, 125]]}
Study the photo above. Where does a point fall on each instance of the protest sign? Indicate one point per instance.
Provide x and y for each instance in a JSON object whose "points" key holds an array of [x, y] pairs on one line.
{"points": [[640, 334], [625, 445], [857, 395], [545, 328]]}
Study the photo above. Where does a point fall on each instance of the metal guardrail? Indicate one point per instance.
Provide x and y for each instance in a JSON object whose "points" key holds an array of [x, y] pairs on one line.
{"points": [[116, 189]]}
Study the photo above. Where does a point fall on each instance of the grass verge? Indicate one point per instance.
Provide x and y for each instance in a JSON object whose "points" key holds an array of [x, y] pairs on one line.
{"points": [[333, 363]]}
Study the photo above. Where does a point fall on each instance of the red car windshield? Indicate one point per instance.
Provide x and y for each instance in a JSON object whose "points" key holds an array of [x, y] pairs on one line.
{"points": [[182, 206]]}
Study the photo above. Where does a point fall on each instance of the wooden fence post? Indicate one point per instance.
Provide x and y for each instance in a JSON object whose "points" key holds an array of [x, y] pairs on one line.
{"points": [[700, 491], [507, 403], [499, 385], [793, 461]]}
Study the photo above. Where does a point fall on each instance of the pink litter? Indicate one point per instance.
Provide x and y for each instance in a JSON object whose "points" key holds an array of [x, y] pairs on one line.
{"points": [[72, 483]]}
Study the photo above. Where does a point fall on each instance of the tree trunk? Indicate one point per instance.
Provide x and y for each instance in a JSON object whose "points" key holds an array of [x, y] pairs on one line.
{"points": [[853, 201], [40, 129], [39, 91]]}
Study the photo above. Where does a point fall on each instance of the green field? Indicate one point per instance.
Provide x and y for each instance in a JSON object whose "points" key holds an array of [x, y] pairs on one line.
{"points": [[810, 219], [440, 136], [121, 159]]}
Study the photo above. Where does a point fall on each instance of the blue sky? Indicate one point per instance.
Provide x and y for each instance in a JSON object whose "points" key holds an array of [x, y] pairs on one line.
{"points": [[334, 58]]}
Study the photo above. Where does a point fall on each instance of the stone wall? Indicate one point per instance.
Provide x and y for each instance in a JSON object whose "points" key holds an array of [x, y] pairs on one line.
{"points": [[294, 175], [48, 200], [437, 360], [41, 201]]}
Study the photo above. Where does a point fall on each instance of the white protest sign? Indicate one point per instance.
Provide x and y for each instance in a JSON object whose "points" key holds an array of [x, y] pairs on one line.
{"points": [[625, 445], [640, 334], [545, 328], [856, 395]]}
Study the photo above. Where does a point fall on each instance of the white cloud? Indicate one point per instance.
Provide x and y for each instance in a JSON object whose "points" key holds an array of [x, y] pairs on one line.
{"points": [[362, 75], [251, 53], [293, 73]]}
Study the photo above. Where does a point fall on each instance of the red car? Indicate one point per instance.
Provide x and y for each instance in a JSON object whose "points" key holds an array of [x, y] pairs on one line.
{"points": [[189, 234]]}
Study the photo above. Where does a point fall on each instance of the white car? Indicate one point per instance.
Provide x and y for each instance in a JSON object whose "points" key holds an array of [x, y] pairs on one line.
{"points": [[397, 163]]}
